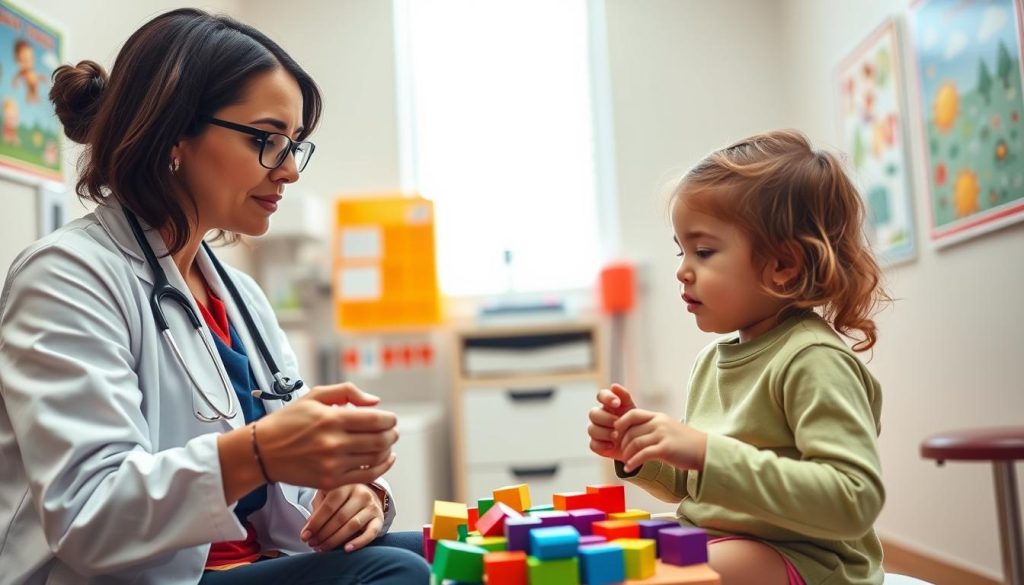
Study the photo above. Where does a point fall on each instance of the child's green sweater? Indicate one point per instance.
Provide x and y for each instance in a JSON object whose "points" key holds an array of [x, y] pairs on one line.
{"points": [[792, 419]]}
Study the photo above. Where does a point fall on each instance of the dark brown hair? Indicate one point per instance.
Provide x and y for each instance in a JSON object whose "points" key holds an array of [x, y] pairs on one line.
{"points": [[180, 66], [795, 202]]}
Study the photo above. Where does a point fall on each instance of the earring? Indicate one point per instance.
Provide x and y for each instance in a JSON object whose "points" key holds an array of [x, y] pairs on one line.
{"points": [[175, 164]]}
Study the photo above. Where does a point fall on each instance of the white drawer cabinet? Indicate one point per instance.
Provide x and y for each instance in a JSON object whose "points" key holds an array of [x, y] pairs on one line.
{"points": [[520, 400], [526, 424]]}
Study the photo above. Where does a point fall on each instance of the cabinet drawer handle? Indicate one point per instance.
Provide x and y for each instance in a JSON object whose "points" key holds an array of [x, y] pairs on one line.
{"points": [[534, 472], [528, 395]]}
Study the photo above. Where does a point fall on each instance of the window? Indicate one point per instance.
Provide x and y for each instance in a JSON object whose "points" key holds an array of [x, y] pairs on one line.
{"points": [[498, 126]]}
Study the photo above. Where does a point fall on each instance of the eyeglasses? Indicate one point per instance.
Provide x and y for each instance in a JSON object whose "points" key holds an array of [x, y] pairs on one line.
{"points": [[274, 147]]}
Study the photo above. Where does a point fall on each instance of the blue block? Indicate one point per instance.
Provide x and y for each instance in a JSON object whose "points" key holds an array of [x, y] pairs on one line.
{"points": [[602, 564], [556, 542], [517, 532]]}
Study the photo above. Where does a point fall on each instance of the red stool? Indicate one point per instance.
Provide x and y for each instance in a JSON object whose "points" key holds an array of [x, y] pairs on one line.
{"points": [[1003, 447]]}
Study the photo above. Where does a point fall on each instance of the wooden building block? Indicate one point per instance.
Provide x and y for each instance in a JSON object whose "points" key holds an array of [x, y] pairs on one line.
{"points": [[458, 561], [616, 529], [639, 554], [493, 522], [611, 498], [505, 568], [556, 542], [516, 496], [446, 520]]}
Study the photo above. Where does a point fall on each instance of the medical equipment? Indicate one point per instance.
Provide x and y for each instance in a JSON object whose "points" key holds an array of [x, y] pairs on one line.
{"points": [[162, 289]]}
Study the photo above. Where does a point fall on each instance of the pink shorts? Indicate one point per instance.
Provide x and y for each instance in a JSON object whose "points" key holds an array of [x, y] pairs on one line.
{"points": [[794, 577]]}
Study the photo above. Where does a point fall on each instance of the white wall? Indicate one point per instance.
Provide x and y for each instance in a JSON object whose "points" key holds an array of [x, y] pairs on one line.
{"points": [[950, 350]]}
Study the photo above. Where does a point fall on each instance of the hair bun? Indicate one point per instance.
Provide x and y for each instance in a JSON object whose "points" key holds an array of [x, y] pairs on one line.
{"points": [[76, 95]]}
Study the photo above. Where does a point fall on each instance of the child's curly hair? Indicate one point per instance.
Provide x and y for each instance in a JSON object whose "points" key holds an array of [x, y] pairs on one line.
{"points": [[796, 202]]}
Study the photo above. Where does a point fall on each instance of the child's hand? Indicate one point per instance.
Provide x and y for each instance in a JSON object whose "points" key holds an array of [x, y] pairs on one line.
{"points": [[646, 435], [614, 402]]}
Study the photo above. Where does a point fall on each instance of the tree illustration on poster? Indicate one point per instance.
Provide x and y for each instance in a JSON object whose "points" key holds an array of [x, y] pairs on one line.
{"points": [[869, 82], [30, 50], [968, 70]]}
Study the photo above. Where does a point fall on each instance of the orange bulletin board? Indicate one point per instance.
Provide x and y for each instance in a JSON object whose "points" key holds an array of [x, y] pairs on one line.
{"points": [[384, 269]]}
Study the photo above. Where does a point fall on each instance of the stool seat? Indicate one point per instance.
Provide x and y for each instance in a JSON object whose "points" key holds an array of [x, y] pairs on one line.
{"points": [[991, 444]]}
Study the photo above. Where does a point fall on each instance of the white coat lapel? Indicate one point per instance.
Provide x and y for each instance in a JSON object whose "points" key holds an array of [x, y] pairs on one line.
{"points": [[208, 370]]}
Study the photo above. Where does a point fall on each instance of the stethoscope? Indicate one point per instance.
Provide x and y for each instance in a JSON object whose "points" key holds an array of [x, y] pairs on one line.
{"points": [[162, 289]]}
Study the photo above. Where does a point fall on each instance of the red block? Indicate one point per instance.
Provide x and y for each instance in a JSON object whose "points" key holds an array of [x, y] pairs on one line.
{"points": [[575, 501], [474, 515], [428, 544], [505, 568], [610, 498], [493, 522], [614, 529]]}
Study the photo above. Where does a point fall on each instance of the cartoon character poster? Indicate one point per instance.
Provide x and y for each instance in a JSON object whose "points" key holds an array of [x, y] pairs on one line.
{"points": [[30, 50], [871, 118], [968, 66]]}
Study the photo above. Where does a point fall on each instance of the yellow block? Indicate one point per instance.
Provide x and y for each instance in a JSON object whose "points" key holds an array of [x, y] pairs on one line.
{"points": [[516, 497], [631, 514], [446, 520], [640, 557]]}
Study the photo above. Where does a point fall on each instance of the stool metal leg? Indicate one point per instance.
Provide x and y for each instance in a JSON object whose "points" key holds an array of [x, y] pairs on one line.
{"points": [[1009, 522]]}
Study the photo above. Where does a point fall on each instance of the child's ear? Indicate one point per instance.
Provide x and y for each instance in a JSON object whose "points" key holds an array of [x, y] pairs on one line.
{"points": [[785, 267]]}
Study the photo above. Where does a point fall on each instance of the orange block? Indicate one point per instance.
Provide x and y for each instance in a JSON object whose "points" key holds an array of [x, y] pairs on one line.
{"points": [[575, 501], [613, 529], [516, 496], [665, 574], [505, 568]]}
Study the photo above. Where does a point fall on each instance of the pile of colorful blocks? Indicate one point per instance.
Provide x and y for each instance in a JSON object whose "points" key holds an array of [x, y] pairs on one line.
{"points": [[587, 538]]}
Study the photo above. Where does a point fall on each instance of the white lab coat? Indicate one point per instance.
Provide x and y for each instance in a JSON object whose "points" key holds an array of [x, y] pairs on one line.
{"points": [[105, 474]]}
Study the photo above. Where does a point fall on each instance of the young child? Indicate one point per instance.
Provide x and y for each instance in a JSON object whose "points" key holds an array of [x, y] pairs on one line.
{"points": [[777, 456]]}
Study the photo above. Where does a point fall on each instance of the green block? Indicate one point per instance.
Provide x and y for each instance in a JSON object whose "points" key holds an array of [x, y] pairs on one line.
{"points": [[559, 572], [463, 531], [458, 561], [541, 508], [484, 504], [491, 543]]}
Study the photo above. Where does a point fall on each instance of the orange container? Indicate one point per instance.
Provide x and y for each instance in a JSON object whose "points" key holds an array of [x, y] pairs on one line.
{"points": [[617, 288], [384, 269]]}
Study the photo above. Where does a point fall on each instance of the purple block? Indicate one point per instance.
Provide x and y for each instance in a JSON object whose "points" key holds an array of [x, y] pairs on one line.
{"points": [[683, 546], [554, 518], [650, 528], [592, 539], [583, 518], [517, 531]]}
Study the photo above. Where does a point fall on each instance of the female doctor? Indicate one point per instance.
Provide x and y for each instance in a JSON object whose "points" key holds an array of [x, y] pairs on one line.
{"points": [[144, 436]]}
